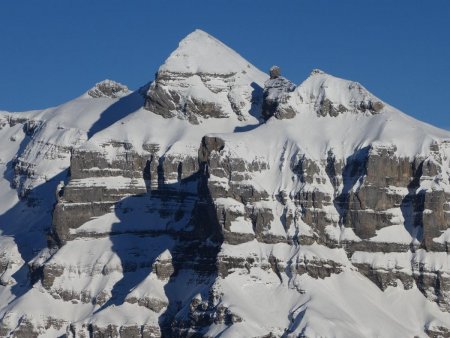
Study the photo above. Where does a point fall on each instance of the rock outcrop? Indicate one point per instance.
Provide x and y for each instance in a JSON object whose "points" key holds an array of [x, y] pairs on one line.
{"points": [[276, 92], [108, 88]]}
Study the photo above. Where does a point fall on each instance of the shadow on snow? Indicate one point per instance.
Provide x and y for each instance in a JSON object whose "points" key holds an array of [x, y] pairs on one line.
{"points": [[178, 218]]}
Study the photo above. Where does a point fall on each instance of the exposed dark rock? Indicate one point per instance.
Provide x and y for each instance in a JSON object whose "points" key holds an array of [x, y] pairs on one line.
{"points": [[163, 267], [50, 272], [25, 329], [276, 94], [152, 303], [108, 88], [318, 268], [438, 332], [385, 278], [328, 108], [167, 97]]}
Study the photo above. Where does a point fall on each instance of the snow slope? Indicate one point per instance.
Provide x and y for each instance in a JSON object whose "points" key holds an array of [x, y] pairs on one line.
{"points": [[200, 52]]}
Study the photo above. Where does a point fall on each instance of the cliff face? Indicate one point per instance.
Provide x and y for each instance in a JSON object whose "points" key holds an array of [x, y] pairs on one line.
{"points": [[218, 202]]}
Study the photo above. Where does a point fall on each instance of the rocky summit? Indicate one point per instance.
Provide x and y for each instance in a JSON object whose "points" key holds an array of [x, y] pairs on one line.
{"points": [[218, 200]]}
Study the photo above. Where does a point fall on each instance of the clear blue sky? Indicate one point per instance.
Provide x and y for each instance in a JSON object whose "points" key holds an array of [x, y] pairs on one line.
{"points": [[53, 50]]}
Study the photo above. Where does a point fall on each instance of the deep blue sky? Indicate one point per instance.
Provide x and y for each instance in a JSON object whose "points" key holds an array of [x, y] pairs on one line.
{"points": [[53, 50]]}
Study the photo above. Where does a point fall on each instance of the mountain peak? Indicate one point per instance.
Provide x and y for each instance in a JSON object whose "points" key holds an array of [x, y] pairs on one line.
{"points": [[108, 88], [332, 95], [200, 52], [204, 78], [197, 34], [317, 71]]}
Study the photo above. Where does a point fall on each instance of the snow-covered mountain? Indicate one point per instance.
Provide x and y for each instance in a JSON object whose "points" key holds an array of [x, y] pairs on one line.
{"points": [[221, 201]]}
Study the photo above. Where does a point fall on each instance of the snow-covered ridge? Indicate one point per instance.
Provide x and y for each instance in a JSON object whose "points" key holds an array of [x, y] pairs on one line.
{"points": [[315, 136]]}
